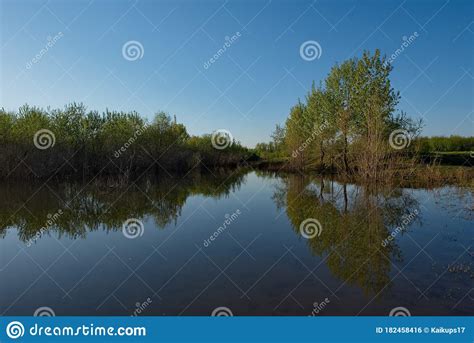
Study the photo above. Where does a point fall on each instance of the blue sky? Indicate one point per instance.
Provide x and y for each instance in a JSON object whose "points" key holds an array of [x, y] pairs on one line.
{"points": [[252, 85]]}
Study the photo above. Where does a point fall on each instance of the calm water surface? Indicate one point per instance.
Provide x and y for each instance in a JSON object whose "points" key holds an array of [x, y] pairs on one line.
{"points": [[259, 261]]}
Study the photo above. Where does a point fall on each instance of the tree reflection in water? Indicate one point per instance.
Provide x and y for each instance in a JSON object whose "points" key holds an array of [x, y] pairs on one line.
{"points": [[90, 207], [355, 220]]}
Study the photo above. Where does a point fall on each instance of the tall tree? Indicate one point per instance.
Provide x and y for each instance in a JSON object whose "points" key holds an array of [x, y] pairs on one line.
{"points": [[294, 138], [340, 94]]}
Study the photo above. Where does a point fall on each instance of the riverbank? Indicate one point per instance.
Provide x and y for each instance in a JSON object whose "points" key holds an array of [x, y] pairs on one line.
{"points": [[420, 174]]}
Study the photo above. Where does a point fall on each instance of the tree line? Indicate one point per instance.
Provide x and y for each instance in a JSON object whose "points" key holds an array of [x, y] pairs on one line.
{"points": [[452, 143], [348, 124], [41, 143]]}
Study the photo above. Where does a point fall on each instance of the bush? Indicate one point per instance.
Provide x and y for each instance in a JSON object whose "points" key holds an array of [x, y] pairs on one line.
{"points": [[38, 143]]}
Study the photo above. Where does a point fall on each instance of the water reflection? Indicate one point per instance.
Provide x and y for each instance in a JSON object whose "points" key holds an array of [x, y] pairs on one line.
{"points": [[379, 247], [73, 209], [355, 221]]}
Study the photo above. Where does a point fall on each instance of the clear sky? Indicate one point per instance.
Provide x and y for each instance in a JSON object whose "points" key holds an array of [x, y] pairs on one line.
{"points": [[251, 85]]}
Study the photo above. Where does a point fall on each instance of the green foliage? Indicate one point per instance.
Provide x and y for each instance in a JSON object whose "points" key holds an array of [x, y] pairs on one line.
{"points": [[345, 123], [445, 144], [276, 148], [112, 143]]}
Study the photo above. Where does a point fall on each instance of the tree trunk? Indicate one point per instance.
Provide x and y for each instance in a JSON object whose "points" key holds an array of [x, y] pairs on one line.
{"points": [[346, 163]]}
